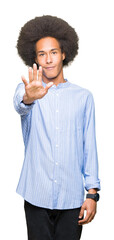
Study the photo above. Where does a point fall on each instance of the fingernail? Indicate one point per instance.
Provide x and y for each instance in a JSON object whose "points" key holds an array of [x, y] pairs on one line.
{"points": [[40, 68]]}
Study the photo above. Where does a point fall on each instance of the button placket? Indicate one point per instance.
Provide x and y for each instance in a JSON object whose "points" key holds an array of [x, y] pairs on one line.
{"points": [[57, 120], [56, 134]]}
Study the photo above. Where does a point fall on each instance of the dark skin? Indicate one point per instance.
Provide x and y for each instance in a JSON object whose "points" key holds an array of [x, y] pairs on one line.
{"points": [[50, 59]]}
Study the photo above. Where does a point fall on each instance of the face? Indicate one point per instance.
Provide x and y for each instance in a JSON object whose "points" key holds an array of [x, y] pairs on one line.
{"points": [[50, 57]]}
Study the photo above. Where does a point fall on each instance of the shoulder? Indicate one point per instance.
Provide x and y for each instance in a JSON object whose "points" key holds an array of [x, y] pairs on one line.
{"points": [[83, 91]]}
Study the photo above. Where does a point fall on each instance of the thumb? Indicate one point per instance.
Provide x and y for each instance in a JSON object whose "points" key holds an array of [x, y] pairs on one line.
{"points": [[49, 85], [81, 212], [24, 80]]}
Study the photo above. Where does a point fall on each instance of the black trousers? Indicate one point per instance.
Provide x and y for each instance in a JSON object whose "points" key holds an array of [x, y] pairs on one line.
{"points": [[47, 224]]}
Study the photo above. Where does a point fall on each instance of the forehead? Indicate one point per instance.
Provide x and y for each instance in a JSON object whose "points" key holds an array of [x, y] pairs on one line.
{"points": [[47, 43]]}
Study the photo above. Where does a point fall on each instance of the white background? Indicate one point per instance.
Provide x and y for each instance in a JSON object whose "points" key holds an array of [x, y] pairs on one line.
{"points": [[93, 69]]}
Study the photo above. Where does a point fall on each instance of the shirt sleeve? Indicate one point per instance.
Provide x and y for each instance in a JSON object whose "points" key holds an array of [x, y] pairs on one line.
{"points": [[90, 169], [19, 106]]}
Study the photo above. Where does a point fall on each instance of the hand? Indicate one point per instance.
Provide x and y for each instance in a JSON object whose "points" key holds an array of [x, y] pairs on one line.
{"points": [[90, 206], [34, 89]]}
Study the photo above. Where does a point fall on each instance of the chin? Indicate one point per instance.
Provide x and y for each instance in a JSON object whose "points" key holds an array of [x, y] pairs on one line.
{"points": [[50, 77]]}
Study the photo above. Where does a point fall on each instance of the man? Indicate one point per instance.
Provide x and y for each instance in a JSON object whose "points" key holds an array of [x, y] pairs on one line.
{"points": [[58, 125]]}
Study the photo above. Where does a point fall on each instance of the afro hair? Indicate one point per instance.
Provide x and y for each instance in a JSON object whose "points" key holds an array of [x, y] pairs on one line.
{"points": [[47, 26]]}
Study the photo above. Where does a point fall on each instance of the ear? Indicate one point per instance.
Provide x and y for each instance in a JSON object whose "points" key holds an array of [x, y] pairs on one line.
{"points": [[63, 56]]}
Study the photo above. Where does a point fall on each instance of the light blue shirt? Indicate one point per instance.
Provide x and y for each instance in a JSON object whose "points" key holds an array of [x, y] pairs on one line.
{"points": [[60, 146]]}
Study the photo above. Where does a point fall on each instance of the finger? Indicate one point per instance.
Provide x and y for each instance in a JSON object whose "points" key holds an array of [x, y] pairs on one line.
{"points": [[35, 72], [40, 74], [24, 80], [91, 217], [30, 74], [81, 212], [85, 220], [49, 85]]}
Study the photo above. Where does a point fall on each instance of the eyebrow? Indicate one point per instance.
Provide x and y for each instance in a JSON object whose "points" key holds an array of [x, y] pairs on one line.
{"points": [[50, 50]]}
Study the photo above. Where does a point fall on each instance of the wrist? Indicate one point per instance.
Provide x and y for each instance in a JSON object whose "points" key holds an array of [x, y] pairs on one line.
{"points": [[95, 196], [27, 100], [92, 191]]}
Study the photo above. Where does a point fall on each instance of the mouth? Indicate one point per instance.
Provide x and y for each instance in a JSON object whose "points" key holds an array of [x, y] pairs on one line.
{"points": [[49, 68]]}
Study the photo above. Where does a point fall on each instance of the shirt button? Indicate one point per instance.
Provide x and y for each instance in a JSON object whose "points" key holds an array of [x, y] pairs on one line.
{"points": [[57, 128], [56, 163], [57, 110], [57, 94], [55, 181], [57, 145]]}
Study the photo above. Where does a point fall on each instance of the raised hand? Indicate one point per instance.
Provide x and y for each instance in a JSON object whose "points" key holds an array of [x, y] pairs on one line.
{"points": [[34, 89]]}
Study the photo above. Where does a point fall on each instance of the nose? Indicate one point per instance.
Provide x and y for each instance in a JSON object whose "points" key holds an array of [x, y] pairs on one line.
{"points": [[49, 59]]}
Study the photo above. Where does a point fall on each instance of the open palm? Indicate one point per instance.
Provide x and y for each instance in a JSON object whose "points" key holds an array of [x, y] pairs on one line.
{"points": [[34, 89]]}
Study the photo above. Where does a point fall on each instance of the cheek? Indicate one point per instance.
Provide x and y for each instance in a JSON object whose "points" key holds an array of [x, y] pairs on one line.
{"points": [[58, 61], [41, 61]]}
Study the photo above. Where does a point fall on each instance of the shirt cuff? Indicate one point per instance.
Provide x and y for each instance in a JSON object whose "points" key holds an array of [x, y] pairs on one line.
{"points": [[20, 106]]}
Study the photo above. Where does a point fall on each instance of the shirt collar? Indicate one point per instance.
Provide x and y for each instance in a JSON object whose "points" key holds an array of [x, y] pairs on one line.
{"points": [[60, 85]]}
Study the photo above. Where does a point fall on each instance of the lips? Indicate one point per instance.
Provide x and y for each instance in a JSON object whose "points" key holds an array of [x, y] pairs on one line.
{"points": [[49, 68]]}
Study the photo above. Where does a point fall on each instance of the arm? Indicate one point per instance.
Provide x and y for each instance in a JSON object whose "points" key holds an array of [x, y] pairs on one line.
{"points": [[26, 93], [90, 168], [19, 105]]}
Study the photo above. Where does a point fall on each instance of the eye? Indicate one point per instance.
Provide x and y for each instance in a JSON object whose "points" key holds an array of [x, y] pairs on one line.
{"points": [[54, 53], [41, 54]]}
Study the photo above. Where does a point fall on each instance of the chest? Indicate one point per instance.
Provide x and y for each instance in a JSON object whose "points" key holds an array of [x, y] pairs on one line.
{"points": [[65, 111]]}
